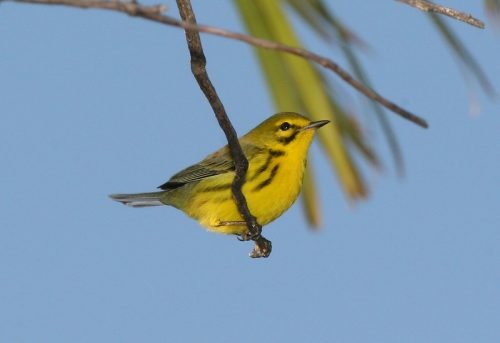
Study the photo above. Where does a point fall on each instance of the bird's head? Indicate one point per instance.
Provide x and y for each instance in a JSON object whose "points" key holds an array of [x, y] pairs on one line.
{"points": [[286, 130]]}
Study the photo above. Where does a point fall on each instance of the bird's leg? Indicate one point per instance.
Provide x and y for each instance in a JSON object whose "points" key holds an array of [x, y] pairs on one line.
{"points": [[247, 236], [231, 223]]}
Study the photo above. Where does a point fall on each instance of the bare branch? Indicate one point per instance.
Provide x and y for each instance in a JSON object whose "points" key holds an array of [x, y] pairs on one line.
{"points": [[198, 64], [154, 13], [131, 8], [430, 7]]}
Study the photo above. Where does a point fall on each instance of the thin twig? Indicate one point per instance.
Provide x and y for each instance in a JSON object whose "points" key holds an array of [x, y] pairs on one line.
{"points": [[154, 13], [131, 8], [198, 67], [430, 7]]}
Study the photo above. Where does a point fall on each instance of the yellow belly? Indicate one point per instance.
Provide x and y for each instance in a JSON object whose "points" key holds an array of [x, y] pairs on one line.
{"points": [[268, 194]]}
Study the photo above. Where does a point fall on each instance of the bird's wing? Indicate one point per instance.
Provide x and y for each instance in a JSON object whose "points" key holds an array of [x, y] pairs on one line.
{"points": [[219, 162]]}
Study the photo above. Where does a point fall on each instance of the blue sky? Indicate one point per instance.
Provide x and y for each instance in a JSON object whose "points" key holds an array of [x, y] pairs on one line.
{"points": [[95, 103]]}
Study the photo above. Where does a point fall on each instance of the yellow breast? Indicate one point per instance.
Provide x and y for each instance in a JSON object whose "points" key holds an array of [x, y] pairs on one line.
{"points": [[272, 184]]}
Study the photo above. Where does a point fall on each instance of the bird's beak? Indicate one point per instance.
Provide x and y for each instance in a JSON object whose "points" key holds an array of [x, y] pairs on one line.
{"points": [[315, 125]]}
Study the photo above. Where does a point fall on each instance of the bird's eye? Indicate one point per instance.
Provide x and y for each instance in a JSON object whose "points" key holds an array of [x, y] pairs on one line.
{"points": [[285, 126]]}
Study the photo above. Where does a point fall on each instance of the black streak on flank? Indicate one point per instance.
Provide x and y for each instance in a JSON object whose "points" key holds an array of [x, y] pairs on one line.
{"points": [[263, 168], [267, 181], [276, 153]]}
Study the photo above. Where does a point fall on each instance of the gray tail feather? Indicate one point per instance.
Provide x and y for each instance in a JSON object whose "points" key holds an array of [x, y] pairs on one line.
{"points": [[139, 199]]}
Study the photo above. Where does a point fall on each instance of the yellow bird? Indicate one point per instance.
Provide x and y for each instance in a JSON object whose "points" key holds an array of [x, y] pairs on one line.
{"points": [[276, 151]]}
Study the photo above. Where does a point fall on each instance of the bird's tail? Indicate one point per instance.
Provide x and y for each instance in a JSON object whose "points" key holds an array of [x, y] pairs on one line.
{"points": [[139, 199]]}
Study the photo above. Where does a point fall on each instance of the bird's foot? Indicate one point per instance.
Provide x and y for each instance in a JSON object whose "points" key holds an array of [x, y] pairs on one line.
{"points": [[263, 246], [248, 236]]}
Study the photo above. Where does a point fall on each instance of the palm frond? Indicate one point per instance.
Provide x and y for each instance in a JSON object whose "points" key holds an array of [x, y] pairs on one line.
{"points": [[462, 53], [297, 86]]}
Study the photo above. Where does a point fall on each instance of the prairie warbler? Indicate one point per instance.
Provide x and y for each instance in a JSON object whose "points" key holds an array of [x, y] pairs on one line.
{"points": [[276, 151]]}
